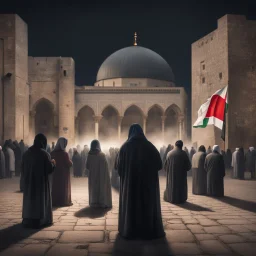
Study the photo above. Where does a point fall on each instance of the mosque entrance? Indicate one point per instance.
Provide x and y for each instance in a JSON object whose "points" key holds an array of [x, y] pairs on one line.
{"points": [[44, 119]]}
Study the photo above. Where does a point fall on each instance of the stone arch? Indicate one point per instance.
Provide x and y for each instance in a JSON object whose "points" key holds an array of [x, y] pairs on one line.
{"points": [[172, 114], [136, 106], [157, 106], [44, 119], [85, 124], [81, 106], [110, 106], [43, 100], [108, 125], [132, 114], [154, 123]]}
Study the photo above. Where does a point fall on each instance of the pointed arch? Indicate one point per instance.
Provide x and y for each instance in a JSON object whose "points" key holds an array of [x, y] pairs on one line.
{"points": [[43, 100], [110, 106], [156, 106], [135, 106], [175, 108], [84, 107]]}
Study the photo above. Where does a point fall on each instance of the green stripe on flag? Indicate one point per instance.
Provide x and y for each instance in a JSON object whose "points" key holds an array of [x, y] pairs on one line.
{"points": [[205, 122]]}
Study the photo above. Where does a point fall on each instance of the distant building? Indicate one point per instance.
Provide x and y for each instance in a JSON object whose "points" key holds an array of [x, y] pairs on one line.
{"points": [[227, 56], [133, 84]]}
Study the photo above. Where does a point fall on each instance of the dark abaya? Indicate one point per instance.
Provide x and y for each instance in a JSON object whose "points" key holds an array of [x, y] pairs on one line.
{"points": [[138, 164]]}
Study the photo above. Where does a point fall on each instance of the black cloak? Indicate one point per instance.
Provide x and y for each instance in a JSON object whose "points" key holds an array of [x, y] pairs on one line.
{"points": [[138, 164]]}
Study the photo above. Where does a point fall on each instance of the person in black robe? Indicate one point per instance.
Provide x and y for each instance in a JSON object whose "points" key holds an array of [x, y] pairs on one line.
{"points": [[199, 176], [18, 156], [2, 164], [229, 158], [22, 147], [223, 153], [77, 164], [250, 160], [176, 166], [7, 160], [168, 149], [138, 164], [37, 201], [215, 168]]}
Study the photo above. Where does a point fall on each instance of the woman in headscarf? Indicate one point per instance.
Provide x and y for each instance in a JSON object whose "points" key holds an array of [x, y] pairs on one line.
{"points": [[198, 172], [37, 201], [61, 186], [138, 164], [77, 163], [98, 177], [215, 168]]}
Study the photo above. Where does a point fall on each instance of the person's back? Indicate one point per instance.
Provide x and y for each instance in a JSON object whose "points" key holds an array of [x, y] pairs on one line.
{"points": [[215, 168], [138, 164], [98, 177], [35, 168], [177, 165]]}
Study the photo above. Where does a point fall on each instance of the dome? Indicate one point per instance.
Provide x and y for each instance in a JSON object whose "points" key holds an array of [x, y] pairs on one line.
{"points": [[135, 62]]}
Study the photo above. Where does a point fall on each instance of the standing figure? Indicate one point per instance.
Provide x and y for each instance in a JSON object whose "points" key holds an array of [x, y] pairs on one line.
{"points": [[238, 164], [177, 165], [18, 156], [7, 160], [209, 150], [229, 158], [215, 168], [22, 147], [2, 164], [78, 148], [251, 161], [84, 155], [168, 149], [61, 186], [77, 164], [37, 201], [70, 153], [186, 150], [199, 183], [138, 164], [223, 153], [10, 148], [192, 152], [53, 146], [98, 177]]}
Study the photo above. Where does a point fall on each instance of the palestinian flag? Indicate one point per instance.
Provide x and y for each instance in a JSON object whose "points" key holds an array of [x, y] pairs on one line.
{"points": [[213, 111]]}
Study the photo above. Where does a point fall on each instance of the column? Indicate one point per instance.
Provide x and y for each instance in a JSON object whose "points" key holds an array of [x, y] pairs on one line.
{"points": [[163, 127], [32, 127], [180, 127], [120, 118], [144, 124], [97, 120]]}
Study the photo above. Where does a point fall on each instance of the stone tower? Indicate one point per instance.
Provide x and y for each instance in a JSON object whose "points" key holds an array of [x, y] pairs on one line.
{"points": [[14, 89], [66, 99], [227, 56]]}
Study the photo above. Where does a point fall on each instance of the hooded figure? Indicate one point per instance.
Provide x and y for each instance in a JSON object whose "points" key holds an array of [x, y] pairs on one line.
{"points": [[61, 186], [250, 159], [168, 149], [238, 164], [84, 155], [199, 176], [37, 201], [229, 158], [2, 164], [98, 177], [7, 160], [138, 163], [77, 163], [177, 165], [22, 147], [18, 156], [215, 168], [10, 147]]}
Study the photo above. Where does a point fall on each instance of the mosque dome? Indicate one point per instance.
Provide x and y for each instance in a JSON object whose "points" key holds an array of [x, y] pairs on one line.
{"points": [[135, 62]]}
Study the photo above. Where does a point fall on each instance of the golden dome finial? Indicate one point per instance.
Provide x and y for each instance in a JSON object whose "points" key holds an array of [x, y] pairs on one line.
{"points": [[135, 39]]}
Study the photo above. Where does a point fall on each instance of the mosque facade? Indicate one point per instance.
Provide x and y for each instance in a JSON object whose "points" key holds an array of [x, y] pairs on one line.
{"points": [[133, 85]]}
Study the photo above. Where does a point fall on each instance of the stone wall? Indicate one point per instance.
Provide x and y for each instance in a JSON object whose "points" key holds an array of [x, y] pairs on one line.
{"points": [[13, 32], [242, 82]]}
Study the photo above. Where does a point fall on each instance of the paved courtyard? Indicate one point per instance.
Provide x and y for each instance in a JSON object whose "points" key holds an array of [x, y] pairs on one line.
{"points": [[202, 226]]}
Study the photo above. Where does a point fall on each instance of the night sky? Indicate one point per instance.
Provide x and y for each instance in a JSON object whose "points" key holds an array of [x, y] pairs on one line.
{"points": [[90, 32]]}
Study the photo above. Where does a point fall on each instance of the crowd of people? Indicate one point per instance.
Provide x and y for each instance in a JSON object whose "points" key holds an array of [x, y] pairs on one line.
{"points": [[133, 169]]}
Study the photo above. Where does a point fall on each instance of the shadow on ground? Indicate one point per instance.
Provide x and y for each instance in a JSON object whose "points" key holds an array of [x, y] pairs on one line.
{"points": [[14, 234], [193, 207], [92, 212], [157, 247], [239, 203]]}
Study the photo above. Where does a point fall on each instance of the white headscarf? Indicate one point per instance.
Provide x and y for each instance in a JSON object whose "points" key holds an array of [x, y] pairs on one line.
{"points": [[251, 148], [216, 148]]}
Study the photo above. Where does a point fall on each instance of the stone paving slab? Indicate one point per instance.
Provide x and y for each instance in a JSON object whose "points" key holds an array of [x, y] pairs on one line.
{"points": [[203, 226]]}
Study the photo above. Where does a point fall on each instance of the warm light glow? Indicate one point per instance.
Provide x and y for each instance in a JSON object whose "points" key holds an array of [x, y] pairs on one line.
{"points": [[135, 39]]}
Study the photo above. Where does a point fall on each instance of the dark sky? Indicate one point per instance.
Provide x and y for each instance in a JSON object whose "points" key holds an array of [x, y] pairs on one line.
{"points": [[91, 31]]}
